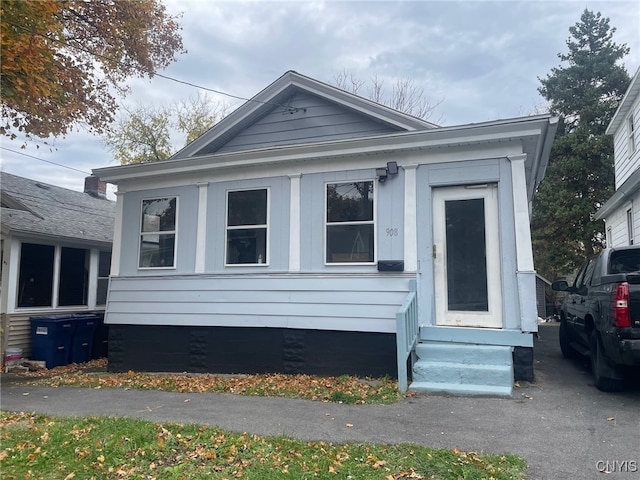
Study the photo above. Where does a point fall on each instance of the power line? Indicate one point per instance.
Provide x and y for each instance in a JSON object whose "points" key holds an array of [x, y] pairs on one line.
{"points": [[166, 77], [43, 160]]}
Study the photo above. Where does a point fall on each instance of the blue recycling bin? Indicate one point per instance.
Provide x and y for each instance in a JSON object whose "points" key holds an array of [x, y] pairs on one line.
{"points": [[51, 339], [82, 338]]}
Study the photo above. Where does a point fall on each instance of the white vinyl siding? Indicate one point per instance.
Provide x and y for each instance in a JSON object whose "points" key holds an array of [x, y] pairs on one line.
{"points": [[626, 151], [631, 135]]}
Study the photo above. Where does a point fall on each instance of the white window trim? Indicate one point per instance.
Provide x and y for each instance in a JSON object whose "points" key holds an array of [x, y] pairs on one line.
{"points": [[168, 232], [266, 226], [373, 221]]}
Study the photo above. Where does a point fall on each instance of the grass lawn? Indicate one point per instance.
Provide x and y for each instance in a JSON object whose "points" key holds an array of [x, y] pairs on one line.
{"points": [[43, 447]]}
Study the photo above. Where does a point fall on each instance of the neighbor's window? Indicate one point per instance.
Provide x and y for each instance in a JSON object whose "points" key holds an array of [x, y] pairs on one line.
{"points": [[158, 233], [349, 222], [247, 225], [104, 267], [35, 283], [631, 131], [74, 276], [36, 280]]}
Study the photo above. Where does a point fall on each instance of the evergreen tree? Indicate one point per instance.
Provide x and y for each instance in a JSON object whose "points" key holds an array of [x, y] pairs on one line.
{"points": [[584, 92]]}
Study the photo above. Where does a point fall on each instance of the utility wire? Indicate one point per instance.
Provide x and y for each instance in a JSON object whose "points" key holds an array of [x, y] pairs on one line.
{"points": [[43, 160], [166, 77]]}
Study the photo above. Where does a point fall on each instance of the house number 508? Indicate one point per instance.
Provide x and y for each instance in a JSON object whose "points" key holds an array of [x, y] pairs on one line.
{"points": [[392, 232]]}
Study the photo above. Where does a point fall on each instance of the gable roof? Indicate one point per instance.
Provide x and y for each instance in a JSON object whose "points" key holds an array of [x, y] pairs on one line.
{"points": [[280, 97], [35, 208], [625, 105]]}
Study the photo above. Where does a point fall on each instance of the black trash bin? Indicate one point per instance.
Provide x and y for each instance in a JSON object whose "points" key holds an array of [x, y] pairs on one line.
{"points": [[51, 339], [82, 340]]}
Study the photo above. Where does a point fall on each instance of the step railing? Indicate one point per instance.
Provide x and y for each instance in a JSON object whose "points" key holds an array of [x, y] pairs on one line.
{"points": [[406, 335]]}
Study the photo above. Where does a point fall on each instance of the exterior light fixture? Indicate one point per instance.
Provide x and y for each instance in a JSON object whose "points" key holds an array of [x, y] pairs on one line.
{"points": [[384, 172]]}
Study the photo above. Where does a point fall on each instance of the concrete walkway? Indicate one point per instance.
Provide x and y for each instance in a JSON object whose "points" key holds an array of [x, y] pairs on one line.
{"points": [[562, 425]]}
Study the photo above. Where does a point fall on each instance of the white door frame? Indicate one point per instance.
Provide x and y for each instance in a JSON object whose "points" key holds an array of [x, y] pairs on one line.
{"points": [[445, 317]]}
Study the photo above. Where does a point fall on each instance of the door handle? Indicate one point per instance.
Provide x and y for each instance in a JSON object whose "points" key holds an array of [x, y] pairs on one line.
{"points": [[582, 300]]}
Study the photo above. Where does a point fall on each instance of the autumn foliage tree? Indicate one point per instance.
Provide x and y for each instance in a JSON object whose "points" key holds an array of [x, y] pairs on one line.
{"points": [[63, 60], [144, 133]]}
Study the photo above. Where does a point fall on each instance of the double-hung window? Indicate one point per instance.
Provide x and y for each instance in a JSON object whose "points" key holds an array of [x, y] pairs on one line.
{"points": [[349, 222], [247, 225], [158, 233]]}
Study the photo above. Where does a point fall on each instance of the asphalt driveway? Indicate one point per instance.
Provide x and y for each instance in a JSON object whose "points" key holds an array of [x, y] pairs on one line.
{"points": [[561, 424]]}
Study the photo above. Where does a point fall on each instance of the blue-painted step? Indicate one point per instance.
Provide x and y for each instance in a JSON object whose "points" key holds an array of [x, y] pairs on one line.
{"points": [[463, 369], [464, 353]]}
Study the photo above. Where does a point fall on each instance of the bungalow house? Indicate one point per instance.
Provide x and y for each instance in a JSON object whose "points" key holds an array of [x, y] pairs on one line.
{"points": [[314, 231], [621, 212], [56, 253]]}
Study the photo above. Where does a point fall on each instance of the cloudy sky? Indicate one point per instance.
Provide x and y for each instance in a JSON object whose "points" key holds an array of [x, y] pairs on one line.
{"points": [[480, 59]]}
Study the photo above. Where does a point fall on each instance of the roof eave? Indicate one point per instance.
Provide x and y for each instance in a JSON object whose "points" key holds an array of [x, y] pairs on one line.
{"points": [[542, 126], [620, 196], [625, 105]]}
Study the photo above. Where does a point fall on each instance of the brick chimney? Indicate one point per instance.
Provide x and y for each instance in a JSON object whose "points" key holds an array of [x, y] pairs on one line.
{"points": [[95, 187]]}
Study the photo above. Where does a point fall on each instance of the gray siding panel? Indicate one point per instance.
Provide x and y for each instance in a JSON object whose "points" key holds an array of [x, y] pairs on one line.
{"points": [[321, 121], [344, 303]]}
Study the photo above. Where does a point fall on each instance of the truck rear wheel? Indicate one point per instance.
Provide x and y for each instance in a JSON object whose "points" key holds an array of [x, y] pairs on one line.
{"points": [[600, 364], [565, 342]]}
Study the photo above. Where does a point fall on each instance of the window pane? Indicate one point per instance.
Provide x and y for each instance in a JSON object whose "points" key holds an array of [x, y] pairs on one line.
{"points": [[36, 275], [625, 261], [104, 264], [350, 202], [159, 215], [349, 243], [247, 246], [247, 207], [101, 297], [466, 255], [157, 250], [74, 276]]}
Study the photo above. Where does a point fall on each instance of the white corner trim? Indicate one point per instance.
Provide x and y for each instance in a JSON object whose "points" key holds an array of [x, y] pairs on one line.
{"points": [[294, 223], [410, 218], [524, 252], [116, 248], [201, 228]]}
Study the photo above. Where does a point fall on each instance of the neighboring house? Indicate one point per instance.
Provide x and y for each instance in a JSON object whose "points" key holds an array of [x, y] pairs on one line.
{"points": [[56, 252], [621, 212], [288, 237]]}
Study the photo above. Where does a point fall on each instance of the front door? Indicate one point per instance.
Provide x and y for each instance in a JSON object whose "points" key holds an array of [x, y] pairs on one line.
{"points": [[466, 251]]}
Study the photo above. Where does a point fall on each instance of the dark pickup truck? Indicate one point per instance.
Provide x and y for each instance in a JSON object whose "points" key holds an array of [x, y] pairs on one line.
{"points": [[600, 316]]}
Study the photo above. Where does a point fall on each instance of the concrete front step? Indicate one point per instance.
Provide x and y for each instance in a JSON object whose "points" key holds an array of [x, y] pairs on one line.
{"points": [[463, 369], [464, 353], [459, 389], [458, 373]]}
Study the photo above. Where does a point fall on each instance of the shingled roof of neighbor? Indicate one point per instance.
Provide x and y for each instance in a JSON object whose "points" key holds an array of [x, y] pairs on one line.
{"points": [[36, 208]]}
